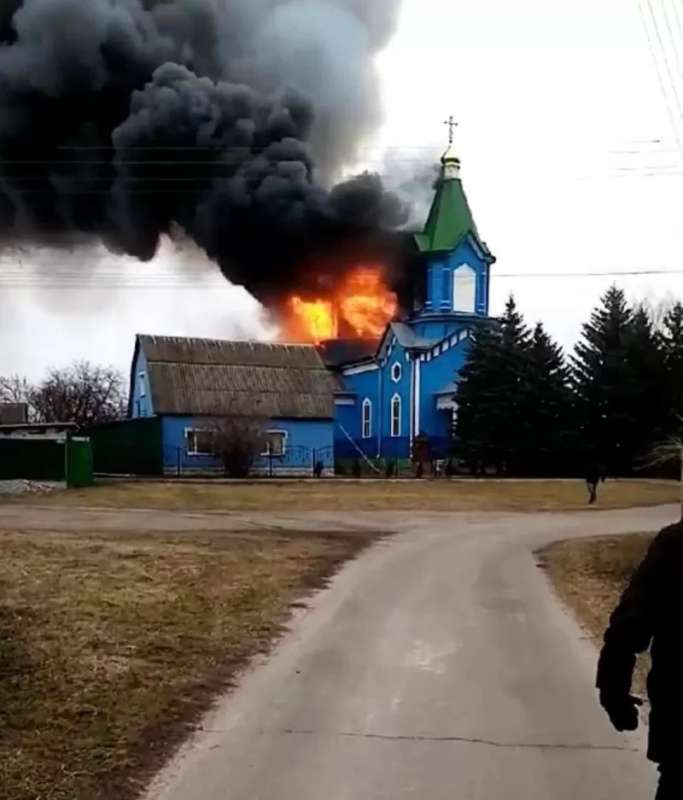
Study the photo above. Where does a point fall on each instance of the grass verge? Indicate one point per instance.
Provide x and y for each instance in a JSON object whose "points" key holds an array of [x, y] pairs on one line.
{"points": [[590, 575], [112, 646], [325, 495]]}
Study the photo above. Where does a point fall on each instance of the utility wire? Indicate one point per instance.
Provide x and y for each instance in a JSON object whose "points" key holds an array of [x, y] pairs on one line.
{"points": [[660, 77]]}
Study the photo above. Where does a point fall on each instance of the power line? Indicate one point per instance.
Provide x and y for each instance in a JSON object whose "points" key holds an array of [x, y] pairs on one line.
{"points": [[108, 284], [660, 77]]}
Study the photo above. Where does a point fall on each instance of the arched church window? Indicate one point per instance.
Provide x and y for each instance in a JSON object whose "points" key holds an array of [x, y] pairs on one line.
{"points": [[367, 418], [465, 289], [396, 416], [396, 372]]}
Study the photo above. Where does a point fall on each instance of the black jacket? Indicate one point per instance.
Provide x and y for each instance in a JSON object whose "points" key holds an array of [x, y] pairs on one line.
{"points": [[650, 614]]}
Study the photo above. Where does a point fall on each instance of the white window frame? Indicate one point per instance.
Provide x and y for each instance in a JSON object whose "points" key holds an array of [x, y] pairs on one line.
{"points": [[465, 289], [143, 386], [195, 431], [366, 422], [396, 402], [285, 436], [394, 367]]}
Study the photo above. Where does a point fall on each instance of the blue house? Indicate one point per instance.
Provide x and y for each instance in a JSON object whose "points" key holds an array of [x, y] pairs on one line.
{"points": [[192, 386], [406, 388]]}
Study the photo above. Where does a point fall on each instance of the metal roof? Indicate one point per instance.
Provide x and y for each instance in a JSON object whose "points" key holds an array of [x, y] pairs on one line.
{"points": [[207, 377]]}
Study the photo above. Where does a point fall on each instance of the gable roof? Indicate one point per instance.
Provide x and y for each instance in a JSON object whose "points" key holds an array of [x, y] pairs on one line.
{"points": [[207, 377], [450, 221]]}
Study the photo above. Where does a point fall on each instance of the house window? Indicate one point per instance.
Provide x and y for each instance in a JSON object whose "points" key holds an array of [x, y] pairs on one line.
{"points": [[275, 443], [395, 416], [367, 418], [199, 442], [396, 372], [465, 289], [143, 387]]}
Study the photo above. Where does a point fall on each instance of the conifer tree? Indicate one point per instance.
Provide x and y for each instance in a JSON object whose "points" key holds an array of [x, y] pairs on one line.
{"points": [[491, 391], [547, 408], [616, 375], [672, 348]]}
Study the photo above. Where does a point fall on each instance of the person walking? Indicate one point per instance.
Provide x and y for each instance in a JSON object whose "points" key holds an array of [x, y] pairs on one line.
{"points": [[648, 616], [593, 478]]}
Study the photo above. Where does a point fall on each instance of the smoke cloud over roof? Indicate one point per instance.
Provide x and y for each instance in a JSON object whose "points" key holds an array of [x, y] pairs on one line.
{"points": [[122, 119]]}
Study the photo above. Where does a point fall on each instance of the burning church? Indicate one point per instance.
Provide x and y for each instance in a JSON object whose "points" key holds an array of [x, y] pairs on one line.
{"points": [[374, 377]]}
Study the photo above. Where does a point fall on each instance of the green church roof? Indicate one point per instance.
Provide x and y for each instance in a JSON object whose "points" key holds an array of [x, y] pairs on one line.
{"points": [[450, 220]]}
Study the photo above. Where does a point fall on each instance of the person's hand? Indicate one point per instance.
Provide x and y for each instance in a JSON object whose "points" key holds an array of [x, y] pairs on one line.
{"points": [[622, 710]]}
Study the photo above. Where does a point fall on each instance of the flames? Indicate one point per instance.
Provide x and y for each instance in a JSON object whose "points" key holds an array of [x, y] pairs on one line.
{"points": [[361, 306]]}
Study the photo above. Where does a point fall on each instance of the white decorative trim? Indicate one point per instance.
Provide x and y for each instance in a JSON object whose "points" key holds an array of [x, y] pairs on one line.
{"points": [[367, 404], [285, 436], [344, 401], [465, 277], [416, 419], [187, 442], [394, 400], [359, 370], [394, 367]]}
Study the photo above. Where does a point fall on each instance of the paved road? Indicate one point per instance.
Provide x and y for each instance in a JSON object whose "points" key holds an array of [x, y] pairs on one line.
{"points": [[437, 666]]}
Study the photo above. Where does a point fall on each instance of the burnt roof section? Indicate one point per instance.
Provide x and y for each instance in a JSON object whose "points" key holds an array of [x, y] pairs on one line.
{"points": [[208, 377], [337, 352]]}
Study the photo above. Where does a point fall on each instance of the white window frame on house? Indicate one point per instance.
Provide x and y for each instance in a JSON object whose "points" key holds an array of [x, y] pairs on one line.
{"points": [[275, 432], [192, 432], [396, 372], [465, 289], [396, 403], [366, 419], [143, 386]]}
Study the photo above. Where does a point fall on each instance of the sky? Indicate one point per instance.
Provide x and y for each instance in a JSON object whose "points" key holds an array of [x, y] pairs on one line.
{"points": [[570, 140]]}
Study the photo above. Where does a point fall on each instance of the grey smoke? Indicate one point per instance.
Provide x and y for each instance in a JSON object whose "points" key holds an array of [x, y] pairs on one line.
{"points": [[123, 118]]}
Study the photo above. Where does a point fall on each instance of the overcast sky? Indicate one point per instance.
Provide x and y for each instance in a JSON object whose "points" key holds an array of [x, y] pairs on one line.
{"points": [[570, 161]]}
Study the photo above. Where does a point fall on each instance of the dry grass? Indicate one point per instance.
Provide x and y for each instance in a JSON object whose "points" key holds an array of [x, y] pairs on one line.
{"points": [[590, 576], [439, 495], [111, 645]]}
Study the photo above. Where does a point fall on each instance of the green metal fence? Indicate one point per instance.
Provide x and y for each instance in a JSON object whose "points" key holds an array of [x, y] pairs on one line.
{"points": [[54, 460], [131, 447]]}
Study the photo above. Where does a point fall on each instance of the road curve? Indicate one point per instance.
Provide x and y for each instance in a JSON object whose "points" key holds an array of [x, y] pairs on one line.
{"points": [[438, 665]]}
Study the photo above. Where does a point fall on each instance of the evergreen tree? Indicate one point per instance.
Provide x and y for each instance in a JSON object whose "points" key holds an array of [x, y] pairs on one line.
{"points": [[547, 409], [617, 373], [672, 348], [478, 400], [490, 393]]}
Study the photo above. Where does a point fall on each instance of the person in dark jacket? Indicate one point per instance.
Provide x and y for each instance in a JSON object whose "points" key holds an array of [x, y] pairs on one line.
{"points": [[649, 616], [594, 474]]}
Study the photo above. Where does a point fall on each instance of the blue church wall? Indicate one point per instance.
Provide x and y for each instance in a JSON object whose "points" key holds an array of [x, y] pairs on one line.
{"points": [[140, 403], [379, 387], [435, 374], [306, 440]]}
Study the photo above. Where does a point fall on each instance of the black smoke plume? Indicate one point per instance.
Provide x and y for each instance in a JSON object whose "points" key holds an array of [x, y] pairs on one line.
{"points": [[124, 119]]}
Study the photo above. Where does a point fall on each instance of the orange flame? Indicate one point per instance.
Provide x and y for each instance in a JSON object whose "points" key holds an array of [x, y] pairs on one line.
{"points": [[366, 303], [315, 320], [362, 301]]}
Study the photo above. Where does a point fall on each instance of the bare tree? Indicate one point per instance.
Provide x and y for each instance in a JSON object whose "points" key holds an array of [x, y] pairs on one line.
{"points": [[238, 441], [15, 389], [83, 393]]}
